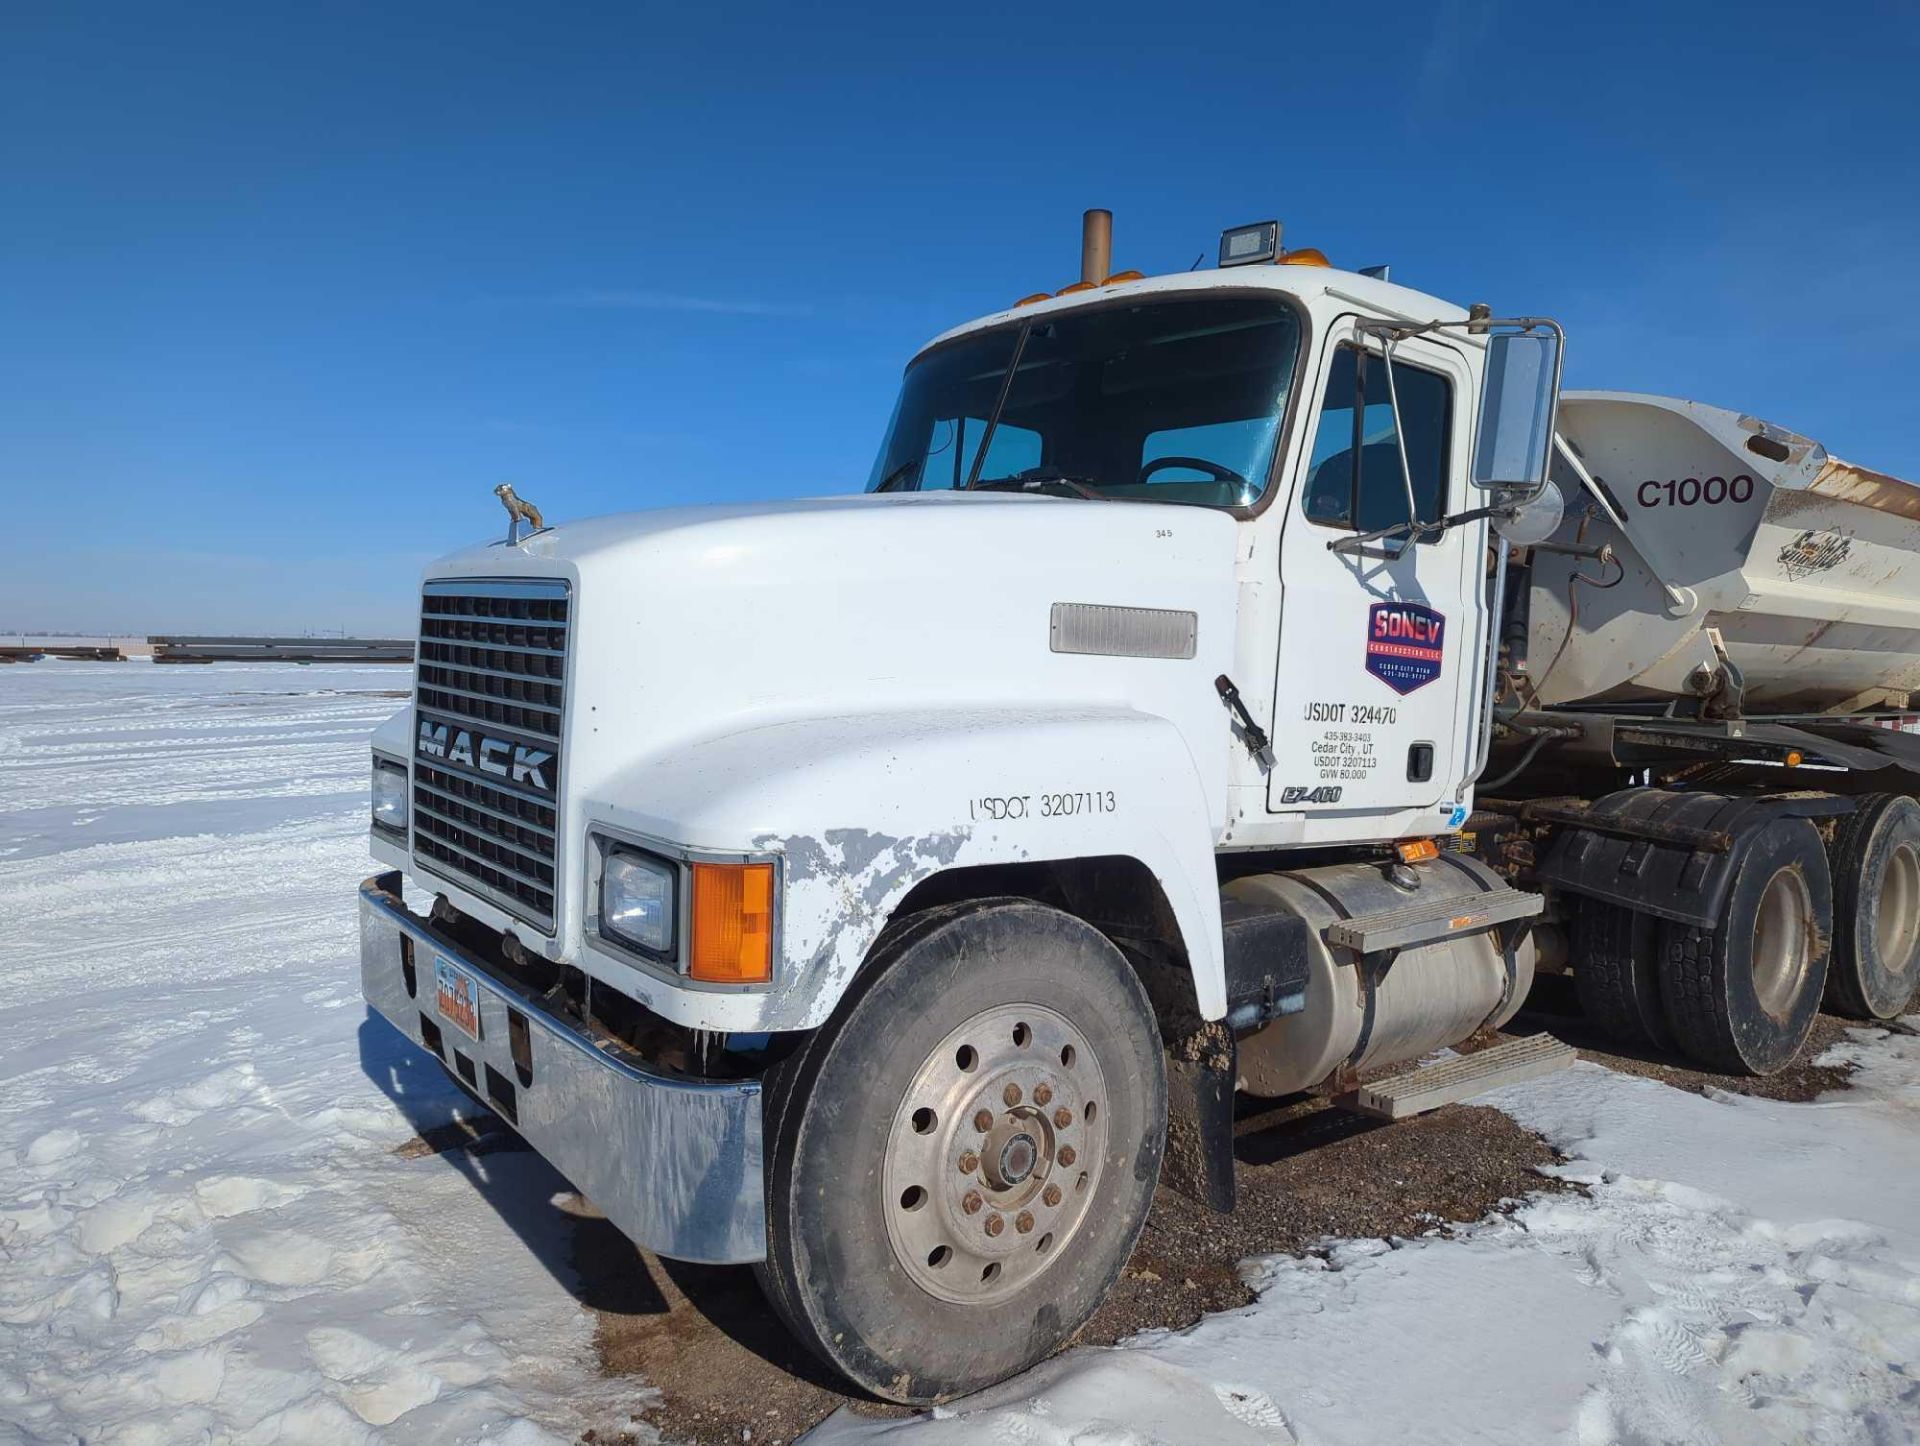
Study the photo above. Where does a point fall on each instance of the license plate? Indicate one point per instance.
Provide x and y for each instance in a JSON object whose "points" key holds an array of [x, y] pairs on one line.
{"points": [[458, 998]]}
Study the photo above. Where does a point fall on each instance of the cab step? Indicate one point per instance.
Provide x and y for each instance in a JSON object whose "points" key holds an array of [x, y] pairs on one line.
{"points": [[1448, 1081], [1432, 920]]}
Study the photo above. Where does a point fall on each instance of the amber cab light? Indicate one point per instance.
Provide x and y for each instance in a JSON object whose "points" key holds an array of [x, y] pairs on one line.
{"points": [[732, 924], [1417, 850]]}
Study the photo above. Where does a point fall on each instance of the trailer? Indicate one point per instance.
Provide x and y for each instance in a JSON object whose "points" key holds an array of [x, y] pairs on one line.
{"points": [[1237, 681]]}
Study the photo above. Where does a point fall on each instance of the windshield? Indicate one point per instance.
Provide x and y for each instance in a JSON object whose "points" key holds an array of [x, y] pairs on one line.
{"points": [[1177, 400]]}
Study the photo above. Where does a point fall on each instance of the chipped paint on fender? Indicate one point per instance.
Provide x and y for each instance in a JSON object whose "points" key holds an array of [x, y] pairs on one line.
{"points": [[840, 889]]}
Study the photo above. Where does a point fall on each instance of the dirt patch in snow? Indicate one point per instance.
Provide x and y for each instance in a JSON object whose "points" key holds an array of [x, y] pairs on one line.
{"points": [[723, 1364]]}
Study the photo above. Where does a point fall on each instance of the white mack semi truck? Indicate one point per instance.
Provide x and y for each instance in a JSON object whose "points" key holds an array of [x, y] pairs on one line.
{"points": [[1240, 680]]}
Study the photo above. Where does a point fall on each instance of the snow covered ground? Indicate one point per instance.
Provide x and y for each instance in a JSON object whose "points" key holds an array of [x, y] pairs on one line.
{"points": [[205, 1234], [1743, 1271]]}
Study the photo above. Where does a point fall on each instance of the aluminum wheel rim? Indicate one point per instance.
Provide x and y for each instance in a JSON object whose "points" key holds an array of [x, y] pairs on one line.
{"points": [[1782, 942], [1896, 921], [995, 1154]]}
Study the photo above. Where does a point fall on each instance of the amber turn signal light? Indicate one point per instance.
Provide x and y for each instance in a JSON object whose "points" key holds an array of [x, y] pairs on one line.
{"points": [[732, 924], [1417, 850]]}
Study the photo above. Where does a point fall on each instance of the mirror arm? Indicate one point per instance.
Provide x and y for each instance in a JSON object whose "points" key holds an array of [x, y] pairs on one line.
{"points": [[1360, 541], [1400, 437], [1498, 509], [1478, 326]]}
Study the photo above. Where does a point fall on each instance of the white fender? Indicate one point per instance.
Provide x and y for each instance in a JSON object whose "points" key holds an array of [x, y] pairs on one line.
{"points": [[920, 792]]}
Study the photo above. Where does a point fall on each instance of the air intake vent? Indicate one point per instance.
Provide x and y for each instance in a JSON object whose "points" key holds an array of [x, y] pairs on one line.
{"points": [[1123, 632], [489, 713]]}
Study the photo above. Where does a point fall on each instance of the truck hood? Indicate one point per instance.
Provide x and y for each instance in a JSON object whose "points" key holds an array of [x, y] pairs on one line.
{"points": [[928, 518], [692, 623]]}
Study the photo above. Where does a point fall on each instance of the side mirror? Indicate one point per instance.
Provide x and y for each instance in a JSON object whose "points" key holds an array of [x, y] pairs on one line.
{"points": [[1517, 407]]}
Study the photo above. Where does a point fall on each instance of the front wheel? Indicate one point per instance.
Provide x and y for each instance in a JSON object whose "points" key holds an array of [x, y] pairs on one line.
{"points": [[960, 1162]]}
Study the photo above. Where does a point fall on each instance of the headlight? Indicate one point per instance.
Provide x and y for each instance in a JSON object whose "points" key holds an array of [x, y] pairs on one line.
{"points": [[389, 795], [636, 900]]}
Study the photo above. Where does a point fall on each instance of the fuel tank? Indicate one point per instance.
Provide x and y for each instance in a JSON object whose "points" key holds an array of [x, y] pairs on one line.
{"points": [[1430, 997], [1750, 562]]}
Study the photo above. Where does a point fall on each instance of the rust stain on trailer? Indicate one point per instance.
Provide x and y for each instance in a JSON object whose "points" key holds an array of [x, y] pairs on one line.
{"points": [[1813, 638], [1863, 487]]}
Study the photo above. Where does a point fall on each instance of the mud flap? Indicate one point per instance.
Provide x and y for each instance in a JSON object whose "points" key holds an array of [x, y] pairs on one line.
{"points": [[1670, 855], [1201, 1069]]}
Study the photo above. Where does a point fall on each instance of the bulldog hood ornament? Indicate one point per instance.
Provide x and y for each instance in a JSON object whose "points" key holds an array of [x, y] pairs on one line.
{"points": [[518, 511]]}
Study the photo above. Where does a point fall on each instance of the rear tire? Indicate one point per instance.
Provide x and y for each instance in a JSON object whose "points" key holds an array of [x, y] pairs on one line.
{"points": [[915, 1251], [1742, 998], [1875, 858], [1616, 972]]}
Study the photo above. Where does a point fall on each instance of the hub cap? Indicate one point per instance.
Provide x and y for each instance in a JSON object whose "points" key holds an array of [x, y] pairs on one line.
{"points": [[995, 1154], [1782, 942], [1897, 921]]}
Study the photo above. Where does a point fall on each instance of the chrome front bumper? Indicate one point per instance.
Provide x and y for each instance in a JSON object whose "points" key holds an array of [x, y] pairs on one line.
{"points": [[674, 1163]]}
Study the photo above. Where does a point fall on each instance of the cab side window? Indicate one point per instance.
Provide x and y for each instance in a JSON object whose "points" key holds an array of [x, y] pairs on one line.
{"points": [[1356, 424]]}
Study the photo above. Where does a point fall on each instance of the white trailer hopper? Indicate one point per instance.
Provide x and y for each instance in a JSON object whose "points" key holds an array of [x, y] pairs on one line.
{"points": [[1751, 565]]}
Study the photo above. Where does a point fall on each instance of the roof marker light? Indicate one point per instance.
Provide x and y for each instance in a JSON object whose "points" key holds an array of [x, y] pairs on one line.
{"points": [[1250, 245]]}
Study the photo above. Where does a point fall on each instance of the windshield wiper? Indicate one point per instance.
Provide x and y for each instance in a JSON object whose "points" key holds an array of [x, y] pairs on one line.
{"points": [[999, 405], [1035, 479], [886, 482]]}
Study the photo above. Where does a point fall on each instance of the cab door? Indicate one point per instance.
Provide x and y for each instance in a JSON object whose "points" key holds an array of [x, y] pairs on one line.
{"points": [[1378, 641]]}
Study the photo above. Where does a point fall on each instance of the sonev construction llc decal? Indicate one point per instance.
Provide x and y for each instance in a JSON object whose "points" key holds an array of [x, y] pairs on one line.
{"points": [[1405, 644]]}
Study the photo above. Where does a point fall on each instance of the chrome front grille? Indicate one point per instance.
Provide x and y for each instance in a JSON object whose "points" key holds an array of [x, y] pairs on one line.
{"points": [[489, 714]]}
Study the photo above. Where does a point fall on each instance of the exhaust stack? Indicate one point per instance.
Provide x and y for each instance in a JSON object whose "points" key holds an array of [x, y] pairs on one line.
{"points": [[1096, 247]]}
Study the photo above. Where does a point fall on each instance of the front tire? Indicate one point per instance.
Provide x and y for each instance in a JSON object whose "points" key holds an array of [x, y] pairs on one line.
{"points": [[960, 1162]]}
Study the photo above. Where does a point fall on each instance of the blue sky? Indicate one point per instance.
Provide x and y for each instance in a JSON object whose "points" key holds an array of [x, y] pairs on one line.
{"points": [[284, 291]]}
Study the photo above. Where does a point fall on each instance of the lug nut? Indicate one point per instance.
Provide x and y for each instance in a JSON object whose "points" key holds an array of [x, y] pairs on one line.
{"points": [[983, 1121], [1043, 1094], [1023, 1222], [971, 1202], [1051, 1194], [1062, 1117], [1011, 1095], [969, 1162], [1067, 1157], [995, 1224]]}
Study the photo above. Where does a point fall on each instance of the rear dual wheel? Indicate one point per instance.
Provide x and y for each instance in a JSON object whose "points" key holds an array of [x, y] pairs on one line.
{"points": [[1742, 998], [960, 1162], [1875, 859], [1616, 972]]}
